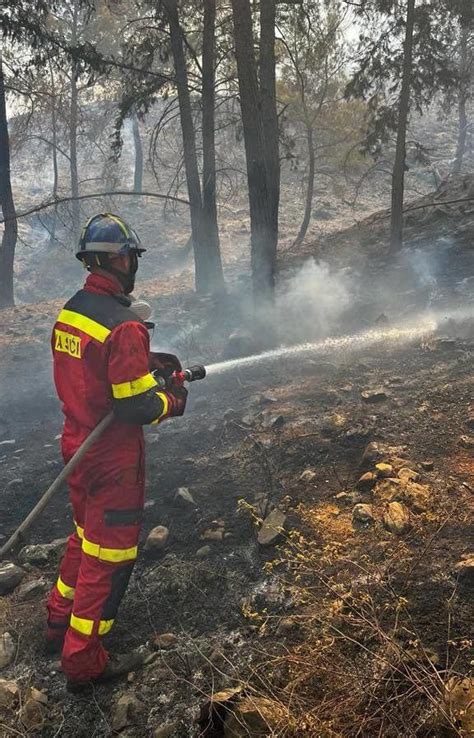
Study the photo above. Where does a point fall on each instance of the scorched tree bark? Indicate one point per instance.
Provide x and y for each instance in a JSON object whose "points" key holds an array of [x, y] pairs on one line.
{"points": [[7, 252]]}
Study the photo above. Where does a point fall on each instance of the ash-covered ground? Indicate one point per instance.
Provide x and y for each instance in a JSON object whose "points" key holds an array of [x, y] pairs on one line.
{"points": [[367, 608]]}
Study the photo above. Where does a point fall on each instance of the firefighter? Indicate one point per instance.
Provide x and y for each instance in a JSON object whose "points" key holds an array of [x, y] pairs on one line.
{"points": [[102, 361]]}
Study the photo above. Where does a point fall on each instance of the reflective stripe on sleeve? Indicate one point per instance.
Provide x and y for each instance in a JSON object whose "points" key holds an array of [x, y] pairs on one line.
{"points": [[65, 590], [86, 325], [135, 387], [113, 555], [79, 530], [166, 403]]}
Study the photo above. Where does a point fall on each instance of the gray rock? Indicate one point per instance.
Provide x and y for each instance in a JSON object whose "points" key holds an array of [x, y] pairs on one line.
{"points": [[184, 497], [202, 552], [307, 476], [9, 693], [41, 552], [374, 395], [362, 514], [30, 590], [157, 538], [126, 711], [272, 528], [10, 577], [7, 649]]}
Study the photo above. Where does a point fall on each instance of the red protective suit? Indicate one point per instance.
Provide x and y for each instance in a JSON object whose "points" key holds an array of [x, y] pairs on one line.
{"points": [[101, 361]]}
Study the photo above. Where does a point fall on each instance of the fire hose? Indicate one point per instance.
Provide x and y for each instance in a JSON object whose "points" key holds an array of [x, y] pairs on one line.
{"points": [[177, 379]]}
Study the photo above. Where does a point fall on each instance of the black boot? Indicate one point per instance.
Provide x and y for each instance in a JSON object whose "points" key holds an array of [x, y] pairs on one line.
{"points": [[117, 666]]}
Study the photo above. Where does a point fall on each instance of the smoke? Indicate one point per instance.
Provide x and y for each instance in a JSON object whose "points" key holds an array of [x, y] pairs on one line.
{"points": [[310, 303]]}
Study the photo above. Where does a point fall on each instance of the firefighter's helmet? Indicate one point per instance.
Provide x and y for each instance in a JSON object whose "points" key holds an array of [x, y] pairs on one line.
{"points": [[106, 233]]}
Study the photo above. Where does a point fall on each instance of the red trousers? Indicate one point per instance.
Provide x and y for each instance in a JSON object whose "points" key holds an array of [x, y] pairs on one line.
{"points": [[107, 496]]}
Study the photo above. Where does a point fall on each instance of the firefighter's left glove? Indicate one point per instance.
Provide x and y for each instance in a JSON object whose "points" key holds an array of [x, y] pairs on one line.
{"points": [[178, 396], [164, 364]]}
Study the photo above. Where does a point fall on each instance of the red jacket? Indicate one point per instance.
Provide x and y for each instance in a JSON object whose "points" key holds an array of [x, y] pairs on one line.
{"points": [[101, 362]]}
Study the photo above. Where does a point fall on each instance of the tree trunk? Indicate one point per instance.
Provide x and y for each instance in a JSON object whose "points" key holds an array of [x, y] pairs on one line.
{"points": [[262, 224], [7, 252], [269, 112], [54, 134], [398, 176], [73, 120], [208, 139], [309, 188], [463, 96], [137, 143], [206, 270]]}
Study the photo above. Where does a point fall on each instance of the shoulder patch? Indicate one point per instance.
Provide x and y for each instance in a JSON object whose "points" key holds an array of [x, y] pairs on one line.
{"points": [[67, 343]]}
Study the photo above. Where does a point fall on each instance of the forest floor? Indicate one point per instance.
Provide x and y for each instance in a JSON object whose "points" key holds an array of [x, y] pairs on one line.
{"points": [[351, 621]]}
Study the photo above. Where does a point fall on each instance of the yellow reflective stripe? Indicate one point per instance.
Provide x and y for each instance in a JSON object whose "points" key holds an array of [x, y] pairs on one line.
{"points": [[84, 324], [120, 223], [64, 589], [83, 625], [79, 530], [135, 387], [166, 403], [105, 626], [114, 555]]}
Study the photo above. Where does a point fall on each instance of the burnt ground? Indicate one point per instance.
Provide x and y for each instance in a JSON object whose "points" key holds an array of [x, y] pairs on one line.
{"points": [[341, 605]]}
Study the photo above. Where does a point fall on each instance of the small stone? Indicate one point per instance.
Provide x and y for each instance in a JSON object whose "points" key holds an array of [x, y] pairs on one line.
{"points": [[15, 482], [126, 711], [183, 496], [256, 716], [307, 476], [202, 552], [427, 465], [165, 640], [9, 693], [372, 454], [416, 496], [10, 577], [464, 570], [408, 475], [157, 538], [467, 441], [30, 590], [366, 481], [7, 649], [397, 518], [345, 498], [166, 730], [41, 552], [274, 422], [362, 514], [38, 696], [271, 528], [374, 395], [239, 343], [384, 470], [33, 714], [212, 534]]}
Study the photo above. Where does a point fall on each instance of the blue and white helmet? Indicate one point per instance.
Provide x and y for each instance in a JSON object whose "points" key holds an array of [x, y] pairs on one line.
{"points": [[106, 233]]}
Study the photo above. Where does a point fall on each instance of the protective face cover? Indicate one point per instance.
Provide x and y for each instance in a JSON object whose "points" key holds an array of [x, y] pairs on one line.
{"points": [[127, 280]]}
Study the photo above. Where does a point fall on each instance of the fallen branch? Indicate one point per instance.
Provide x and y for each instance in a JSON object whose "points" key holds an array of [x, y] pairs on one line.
{"points": [[60, 200]]}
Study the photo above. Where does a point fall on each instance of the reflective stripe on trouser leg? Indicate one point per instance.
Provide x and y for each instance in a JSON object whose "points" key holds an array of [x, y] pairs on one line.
{"points": [[61, 597]]}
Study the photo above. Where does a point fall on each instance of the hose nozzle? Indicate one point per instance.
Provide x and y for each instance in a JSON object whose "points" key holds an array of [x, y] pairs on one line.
{"points": [[193, 373]]}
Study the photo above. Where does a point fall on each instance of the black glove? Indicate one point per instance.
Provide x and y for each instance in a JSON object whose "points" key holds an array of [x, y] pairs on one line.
{"points": [[179, 396], [164, 364]]}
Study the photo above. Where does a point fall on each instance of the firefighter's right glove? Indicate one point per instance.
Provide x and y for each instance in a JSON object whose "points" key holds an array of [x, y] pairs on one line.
{"points": [[178, 396], [164, 365]]}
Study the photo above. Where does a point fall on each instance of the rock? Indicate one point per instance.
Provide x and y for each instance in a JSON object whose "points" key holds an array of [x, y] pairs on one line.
{"points": [[212, 534], [202, 552], [459, 701], [38, 696], [408, 475], [345, 498], [9, 693], [384, 470], [165, 640], [10, 577], [257, 717], [215, 710], [157, 538], [467, 441], [427, 465], [271, 528], [41, 552], [166, 730], [30, 590], [126, 711], [7, 649], [372, 454], [307, 476], [274, 422], [464, 570], [366, 481], [33, 714], [374, 395], [184, 497], [239, 343], [362, 515], [416, 496], [397, 518]]}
